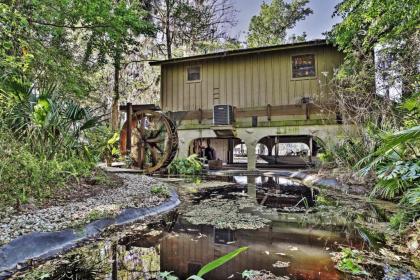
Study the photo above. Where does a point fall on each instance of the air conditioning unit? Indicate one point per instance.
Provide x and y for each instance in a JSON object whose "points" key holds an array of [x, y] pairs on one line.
{"points": [[223, 115]]}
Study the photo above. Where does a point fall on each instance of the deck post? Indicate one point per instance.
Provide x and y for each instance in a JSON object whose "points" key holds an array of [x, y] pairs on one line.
{"points": [[252, 188], [252, 155], [129, 123], [231, 146], [310, 148]]}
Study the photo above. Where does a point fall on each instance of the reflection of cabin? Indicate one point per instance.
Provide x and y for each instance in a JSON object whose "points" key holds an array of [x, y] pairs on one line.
{"points": [[187, 251], [271, 91]]}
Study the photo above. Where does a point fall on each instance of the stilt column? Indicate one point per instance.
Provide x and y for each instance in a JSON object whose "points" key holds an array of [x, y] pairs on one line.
{"points": [[252, 156]]}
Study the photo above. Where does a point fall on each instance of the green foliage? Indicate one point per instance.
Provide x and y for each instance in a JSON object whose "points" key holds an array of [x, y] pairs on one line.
{"points": [[220, 261], [270, 26], [186, 166], [44, 143], [326, 157], [409, 210], [395, 162], [397, 221], [350, 262], [65, 43], [106, 143], [25, 175], [367, 22], [389, 30], [161, 191], [322, 200], [397, 166], [345, 153], [373, 238], [208, 267]]}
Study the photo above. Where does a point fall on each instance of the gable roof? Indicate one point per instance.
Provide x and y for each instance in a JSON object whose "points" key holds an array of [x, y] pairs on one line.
{"points": [[313, 43]]}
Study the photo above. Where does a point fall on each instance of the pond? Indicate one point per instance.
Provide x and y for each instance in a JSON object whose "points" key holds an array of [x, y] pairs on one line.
{"points": [[275, 217]]}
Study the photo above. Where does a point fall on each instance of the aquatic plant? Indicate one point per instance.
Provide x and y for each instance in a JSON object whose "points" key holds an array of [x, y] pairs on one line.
{"points": [[225, 214], [208, 267], [220, 261], [349, 260]]}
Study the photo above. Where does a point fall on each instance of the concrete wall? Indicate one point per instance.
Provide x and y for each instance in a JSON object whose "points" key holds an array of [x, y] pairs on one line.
{"points": [[329, 134]]}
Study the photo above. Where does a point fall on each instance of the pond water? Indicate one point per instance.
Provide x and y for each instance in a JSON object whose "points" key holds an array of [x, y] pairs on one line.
{"points": [[277, 221]]}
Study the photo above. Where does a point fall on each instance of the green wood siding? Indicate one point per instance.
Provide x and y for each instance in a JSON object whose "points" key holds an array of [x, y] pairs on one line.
{"points": [[246, 81]]}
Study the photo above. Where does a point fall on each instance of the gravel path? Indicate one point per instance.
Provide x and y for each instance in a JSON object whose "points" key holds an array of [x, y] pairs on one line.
{"points": [[134, 193]]}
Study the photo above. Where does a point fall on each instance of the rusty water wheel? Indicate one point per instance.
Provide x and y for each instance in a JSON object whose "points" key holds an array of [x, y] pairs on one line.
{"points": [[154, 140]]}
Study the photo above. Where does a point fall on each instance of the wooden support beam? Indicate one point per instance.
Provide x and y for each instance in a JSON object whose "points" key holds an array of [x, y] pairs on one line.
{"points": [[200, 118], [129, 110], [311, 145], [137, 108], [266, 111]]}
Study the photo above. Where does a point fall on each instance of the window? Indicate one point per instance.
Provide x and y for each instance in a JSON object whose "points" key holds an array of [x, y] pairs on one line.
{"points": [[303, 66], [193, 73]]}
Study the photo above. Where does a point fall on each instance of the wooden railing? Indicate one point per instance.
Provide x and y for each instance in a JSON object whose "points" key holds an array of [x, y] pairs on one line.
{"points": [[267, 111]]}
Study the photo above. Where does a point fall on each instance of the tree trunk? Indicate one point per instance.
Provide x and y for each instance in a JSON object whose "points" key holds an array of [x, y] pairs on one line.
{"points": [[168, 29], [116, 96]]}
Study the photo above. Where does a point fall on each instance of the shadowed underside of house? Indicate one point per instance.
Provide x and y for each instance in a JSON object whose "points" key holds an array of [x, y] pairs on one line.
{"points": [[269, 96]]}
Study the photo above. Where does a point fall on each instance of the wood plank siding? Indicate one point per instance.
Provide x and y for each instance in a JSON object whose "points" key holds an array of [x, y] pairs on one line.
{"points": [[247, 81]]}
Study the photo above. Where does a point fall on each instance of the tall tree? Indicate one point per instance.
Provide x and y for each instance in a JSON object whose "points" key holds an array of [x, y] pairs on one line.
{"points": [[67, 40], [381, 41], [270, 26], [188, 22]]}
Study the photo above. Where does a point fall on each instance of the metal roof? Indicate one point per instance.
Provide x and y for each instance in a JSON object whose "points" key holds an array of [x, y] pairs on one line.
{"points": [[313, 43]]}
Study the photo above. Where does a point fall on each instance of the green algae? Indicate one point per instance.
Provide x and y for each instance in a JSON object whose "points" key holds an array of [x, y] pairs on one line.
{"points": [[225, 214]]}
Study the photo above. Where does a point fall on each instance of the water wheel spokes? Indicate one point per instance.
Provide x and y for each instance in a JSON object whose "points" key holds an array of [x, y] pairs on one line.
{"points": [[154, 140]]}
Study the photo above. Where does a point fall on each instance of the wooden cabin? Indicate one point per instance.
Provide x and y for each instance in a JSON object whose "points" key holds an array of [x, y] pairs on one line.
{"points": [[273, 91]]}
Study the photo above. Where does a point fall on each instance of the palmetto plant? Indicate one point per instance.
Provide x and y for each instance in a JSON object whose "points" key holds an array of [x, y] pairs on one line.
{"points": [[45, 140], [49, 123], [396, 163]]}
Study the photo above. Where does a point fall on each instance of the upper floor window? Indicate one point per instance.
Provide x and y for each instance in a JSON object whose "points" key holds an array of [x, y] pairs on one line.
{"points": [[193, 73], [303, 66]]}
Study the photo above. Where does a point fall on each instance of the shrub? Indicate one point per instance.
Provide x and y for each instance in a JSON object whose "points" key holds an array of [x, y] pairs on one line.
{"points": [[25, 175], [186, 166], [43, 144], [344, 154], [161, 191]]}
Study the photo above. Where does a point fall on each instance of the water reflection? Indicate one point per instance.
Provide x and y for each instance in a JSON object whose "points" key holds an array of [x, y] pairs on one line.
{"points": [[276, 192], [305, 251], [286, 247]]}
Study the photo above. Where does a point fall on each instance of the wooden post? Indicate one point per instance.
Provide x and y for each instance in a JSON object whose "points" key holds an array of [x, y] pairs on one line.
{"points": [[310, 148], [129, 123], [114, 271], [231, 146], [200, 119], [269, 112], [307, 112]]}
